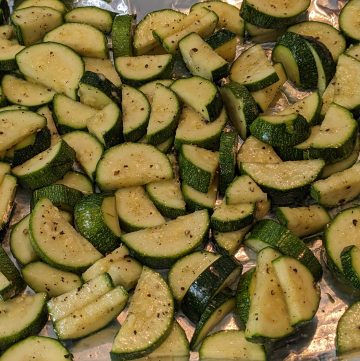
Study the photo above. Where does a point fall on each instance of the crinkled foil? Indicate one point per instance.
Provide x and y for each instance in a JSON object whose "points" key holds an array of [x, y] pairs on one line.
{"points": [[314, 341]]}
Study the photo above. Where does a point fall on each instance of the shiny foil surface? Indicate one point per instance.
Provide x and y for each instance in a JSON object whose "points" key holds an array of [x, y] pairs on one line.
{"points": [[314, 341]]}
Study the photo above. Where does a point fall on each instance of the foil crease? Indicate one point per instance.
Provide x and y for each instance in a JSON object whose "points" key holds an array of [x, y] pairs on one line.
{"points": [[314, 341]]}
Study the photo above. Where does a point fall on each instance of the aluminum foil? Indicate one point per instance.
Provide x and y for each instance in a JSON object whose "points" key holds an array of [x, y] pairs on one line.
{"points": [[314, 341]]}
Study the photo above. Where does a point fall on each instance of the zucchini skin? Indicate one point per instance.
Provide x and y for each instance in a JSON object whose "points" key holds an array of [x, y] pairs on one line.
{"points": [[59, 166], [89, 222], [204, 288], [60, 195], [242, 306], [280, 238], [42, 142], [349, 272], [256, 17]]}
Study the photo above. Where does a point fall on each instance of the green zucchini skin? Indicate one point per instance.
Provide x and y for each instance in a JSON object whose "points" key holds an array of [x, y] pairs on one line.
{"points": [[242, 307], [293, 130], [227, 159], [254, 16], [122, 34], [297, 44], [60, 195], [42, 142], [206, 286], [90, 223], [347, 264], [272, 234]]}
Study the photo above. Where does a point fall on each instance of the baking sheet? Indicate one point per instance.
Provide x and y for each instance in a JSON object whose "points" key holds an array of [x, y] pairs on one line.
{"points": [[316, 340]]}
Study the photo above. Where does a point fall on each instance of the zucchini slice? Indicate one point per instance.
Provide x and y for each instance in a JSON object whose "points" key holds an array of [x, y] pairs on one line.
{"points": [[227, 159], [337, 136], [201, 59], [7, 191], [93, 42], [77, 180], [60, 195], [294, 52], [224, 43], [123, 269], [46, 167], [216, 310], [323, 32], [135, 113], [194, 129], [302, 296], [185, 271], [347, 331], [232, 217], [265, 97], [53, 65], [167, 197], [32, 23], [201, 95], [149, 88], [9, 50], [348, 20], [143, 331], [131, 164], [144, 40], [88, 150], [292, 180], [11, 274], [346, 93], [354, 51], [255, 151], [229, 17], [229, 242], [268, 233], [198, 166], [138, 70], [161, 246], [281, 130], [121, 35], [54, 4], [35, 347], [16, 125], [218, 275], [165, 111], [96, 219], [244, 190], [106, 125], [269, 317], [337, 189], [273, 15], [96, 91], [176, 345], [92, 317], [200, 21], [261, 35], [64, 305], [104, 67], [47, 113], [136, 210], [20, 244], [253, 69], [241, 107], [336, 239], [344, 164], [309, 107], [43, 278], [50, 235], [350, 257], [196, 200], [4, 169], [70, 115], [303, 221], [230, 344], [22, 92], [21, 317], [100, 19]]}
